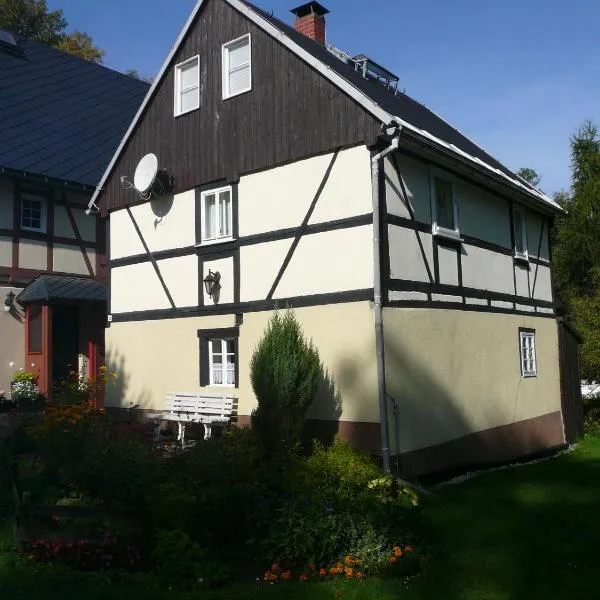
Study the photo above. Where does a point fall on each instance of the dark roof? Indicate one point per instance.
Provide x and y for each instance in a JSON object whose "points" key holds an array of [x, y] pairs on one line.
{"points": [[46, 288], [400, 104], [61, 116]]}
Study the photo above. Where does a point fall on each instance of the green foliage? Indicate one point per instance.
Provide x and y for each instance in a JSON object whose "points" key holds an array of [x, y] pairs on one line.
{"points": [[25, 393], [176, 557], [33, 20], [284, 372], [576, 256], [529, 175]]}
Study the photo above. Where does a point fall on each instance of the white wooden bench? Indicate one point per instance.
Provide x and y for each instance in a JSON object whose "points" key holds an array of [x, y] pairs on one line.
{"points": [[195, 407]]}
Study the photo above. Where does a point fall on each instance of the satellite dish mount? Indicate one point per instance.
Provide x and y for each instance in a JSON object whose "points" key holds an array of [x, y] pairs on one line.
{"points": [[148, 180]]}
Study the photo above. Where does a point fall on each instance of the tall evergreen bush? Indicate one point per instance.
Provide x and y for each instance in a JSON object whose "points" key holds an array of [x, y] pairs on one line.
{"points": [[284, 372]]}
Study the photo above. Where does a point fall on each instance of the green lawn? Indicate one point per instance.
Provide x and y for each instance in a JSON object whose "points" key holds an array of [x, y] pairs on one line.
{"points": [[529, 532]]}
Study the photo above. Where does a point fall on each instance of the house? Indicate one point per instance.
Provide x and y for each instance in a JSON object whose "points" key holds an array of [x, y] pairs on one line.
{"points": [[62, 118], [301, 176]]}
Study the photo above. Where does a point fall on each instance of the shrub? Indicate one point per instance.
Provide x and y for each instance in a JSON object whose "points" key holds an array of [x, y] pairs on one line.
{"points": [[25, 393], [284, 372], [591, 415]]}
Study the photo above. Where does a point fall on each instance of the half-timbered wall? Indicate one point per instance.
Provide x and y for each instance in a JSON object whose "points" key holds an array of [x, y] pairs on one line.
{"points": [[290, 113], [479, 271]]}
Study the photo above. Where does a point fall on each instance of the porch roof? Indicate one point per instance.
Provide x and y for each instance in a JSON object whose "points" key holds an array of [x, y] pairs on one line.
{"points": [[47, 288]]}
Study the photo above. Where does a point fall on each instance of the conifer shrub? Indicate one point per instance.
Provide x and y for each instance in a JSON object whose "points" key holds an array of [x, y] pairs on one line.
{"points": [[284, 372]]}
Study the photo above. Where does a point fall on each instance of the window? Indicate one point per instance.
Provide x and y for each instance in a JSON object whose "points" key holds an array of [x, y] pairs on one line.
{"points": [[520, 232], [216, 211], [33, 213], [237, 67], [219, 357], [527, 346], [187, 86], [444, 205], [222, 362]]}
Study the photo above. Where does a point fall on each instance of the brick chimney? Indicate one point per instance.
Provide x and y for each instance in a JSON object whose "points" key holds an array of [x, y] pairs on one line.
{"points": [[310, 21]]}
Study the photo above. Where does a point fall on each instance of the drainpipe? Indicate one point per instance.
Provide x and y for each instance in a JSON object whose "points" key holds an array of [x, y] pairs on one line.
{"points": [[383, 409]]}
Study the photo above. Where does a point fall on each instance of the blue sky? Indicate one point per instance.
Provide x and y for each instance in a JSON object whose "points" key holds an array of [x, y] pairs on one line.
{"points": [[517, 76]]}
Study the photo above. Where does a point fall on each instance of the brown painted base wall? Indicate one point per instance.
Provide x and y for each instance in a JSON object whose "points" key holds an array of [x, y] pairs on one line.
{"points": [[485, 448]]}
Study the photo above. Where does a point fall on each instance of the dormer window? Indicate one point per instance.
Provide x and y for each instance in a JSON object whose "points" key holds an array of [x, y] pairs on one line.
{"points": [[237, 67], [187, 86]]}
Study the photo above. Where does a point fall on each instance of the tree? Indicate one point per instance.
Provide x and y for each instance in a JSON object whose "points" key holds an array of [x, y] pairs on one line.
{"points": [[529, 175], [576, 257], [136, 75], [284, 372], [32, 19]]}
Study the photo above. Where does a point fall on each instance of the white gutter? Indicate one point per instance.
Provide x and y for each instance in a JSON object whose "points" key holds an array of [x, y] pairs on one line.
{"points": [[378, 306]]}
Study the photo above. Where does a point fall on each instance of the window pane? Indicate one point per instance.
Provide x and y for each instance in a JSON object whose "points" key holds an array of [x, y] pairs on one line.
{"points": [[189, 76], [189, 100], [210, 217], [31, 213], [217, 377], [230, 345], [239, 53], [518, 220], [239, 80], [216, 346], [225, 203], [444, 203], [34, 341], [230, 376]]}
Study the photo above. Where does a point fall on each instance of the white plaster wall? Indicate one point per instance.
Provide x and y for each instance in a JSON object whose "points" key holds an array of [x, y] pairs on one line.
{"points": [[334, 261], [225, 268], [280, 198], [415, 175], [33, 255], [69, 259], [259, 265], [62, 225], [12, 343], [448, 265], [406, 258], [181, 278], [522, 280], [6, 204], [136, 288], [487, 270], [165, 223], [5, 252], [543, 283], [482, 215], [86, 225]]}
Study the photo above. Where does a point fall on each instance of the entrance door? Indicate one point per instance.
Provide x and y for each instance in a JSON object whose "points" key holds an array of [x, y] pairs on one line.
{"points": [[65, 340]]}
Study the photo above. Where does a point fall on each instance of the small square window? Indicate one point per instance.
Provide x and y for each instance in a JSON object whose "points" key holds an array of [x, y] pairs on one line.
{"points": [[237, 67], [444, 205], [187, 86], [33, 213], [216, 214], [520, 233], [219, 357], [527, 349]]}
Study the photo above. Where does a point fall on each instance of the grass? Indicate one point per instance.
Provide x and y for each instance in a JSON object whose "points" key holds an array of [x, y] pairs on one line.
{"points": [[523, 533]]}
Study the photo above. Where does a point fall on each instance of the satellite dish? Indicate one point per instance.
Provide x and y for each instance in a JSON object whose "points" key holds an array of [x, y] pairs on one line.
{"points": [[145, 173]]}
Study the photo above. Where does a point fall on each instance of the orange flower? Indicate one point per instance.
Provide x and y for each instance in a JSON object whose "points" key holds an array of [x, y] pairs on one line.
{"points": [[304, 577], [408, 549], [286, 575], [322, 572], [359, 575], [349, 571], [393, 560]]}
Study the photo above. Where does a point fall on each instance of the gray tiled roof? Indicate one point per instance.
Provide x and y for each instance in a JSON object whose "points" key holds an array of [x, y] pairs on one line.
{"points": [[47, 288], [60, 116]]}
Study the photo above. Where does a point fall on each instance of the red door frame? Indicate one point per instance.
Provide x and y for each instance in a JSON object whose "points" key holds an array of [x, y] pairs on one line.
{"points": [[43, 359]]}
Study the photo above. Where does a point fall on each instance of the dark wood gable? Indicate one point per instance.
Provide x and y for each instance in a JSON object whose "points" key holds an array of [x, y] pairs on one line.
{"points": [[292, 112]]}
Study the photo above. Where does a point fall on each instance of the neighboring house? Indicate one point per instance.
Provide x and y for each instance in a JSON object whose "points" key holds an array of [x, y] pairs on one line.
{"points": [[61, 119], [423, 276]]}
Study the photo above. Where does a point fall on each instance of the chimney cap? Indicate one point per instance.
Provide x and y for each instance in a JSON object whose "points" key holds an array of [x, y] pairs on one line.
{"points": [[309, 8]]}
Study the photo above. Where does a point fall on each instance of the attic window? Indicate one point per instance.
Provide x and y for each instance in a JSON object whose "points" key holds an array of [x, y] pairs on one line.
{"points": [[187, 86], [237, 67], [520, 233], [33, 213], [444, 205]]}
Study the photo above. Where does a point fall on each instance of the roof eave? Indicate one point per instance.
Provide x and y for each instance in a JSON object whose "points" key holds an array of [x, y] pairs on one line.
{"points": [[39, 178]]}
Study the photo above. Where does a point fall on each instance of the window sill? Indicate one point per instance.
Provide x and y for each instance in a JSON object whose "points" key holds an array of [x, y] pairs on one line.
{"points": [[32, 229], [186, 112], [447, 234], [522, 259], [529, 376], [230, 96], [215, 242]]}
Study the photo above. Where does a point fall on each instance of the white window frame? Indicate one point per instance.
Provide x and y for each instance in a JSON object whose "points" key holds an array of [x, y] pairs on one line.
{"points": [[519, 213], [225, 66], [43, 210], [453, 234], [523, 336], [177, 85], [218, 239], [224, 362]]}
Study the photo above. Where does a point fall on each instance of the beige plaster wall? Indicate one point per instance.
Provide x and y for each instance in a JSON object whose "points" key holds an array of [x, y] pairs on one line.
{"points": [[5, 251], [279, 198], [225, 267], [33, 255], [12, 343], [157, 357], [86, 224], [69, 259], [458, 372]]}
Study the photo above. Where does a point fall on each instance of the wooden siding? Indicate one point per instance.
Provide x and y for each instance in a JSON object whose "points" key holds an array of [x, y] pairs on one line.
{"points": [[570, 383], [291, 113]]}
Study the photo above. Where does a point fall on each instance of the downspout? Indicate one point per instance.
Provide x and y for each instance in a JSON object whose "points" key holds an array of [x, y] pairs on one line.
{"points": [[383, 409]]}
